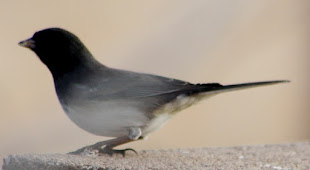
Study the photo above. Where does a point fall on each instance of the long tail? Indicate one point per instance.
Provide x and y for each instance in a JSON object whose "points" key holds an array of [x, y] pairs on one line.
{"points": [[217, 88]]}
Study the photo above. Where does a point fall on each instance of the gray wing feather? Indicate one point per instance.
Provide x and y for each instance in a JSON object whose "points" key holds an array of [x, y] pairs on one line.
{"points": [[124, 84]]}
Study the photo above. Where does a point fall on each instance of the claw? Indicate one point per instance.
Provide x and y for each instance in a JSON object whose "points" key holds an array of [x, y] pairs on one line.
{"points": [[109, 144], [82, 150], [110, 151]]}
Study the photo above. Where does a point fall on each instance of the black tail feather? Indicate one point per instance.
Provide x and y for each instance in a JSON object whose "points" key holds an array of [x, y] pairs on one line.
{"points": [[218, 88]]}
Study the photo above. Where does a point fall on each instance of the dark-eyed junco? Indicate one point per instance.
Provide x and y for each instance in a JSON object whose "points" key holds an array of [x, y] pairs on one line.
{"points": [[113, 102]]}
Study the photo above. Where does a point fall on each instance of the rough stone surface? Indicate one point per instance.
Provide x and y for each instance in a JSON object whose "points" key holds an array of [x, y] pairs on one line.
{"points": [[277, 157]]}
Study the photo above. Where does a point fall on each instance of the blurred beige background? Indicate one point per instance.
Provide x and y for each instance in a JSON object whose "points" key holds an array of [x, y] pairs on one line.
{"points": [[198, 41]]}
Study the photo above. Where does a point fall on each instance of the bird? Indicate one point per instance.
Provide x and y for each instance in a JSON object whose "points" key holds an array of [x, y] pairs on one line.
{"points": [[110, 102]]}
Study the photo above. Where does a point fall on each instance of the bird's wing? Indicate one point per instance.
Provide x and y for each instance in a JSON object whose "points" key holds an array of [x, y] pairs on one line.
{"points": [[155, 91], [123, 84]]}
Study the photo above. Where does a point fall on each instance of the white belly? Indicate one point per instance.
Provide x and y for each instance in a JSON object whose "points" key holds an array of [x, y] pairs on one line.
{"points": [[107, 119], [115, 119]]}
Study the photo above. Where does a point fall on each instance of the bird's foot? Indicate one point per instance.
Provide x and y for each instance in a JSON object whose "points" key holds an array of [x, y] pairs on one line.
{"points": [[85, 151], [110, 151], [105, 147]]}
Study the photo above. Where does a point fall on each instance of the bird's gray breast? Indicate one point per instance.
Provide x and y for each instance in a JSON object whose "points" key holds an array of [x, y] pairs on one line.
{"points": [[108, 117]]}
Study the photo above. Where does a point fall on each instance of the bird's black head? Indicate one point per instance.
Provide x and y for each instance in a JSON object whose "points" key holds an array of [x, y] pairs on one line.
{"points": [[60, 50]]}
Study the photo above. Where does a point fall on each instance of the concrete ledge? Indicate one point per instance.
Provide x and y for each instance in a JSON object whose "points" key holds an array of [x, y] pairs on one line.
{"points": [[278, 157]]}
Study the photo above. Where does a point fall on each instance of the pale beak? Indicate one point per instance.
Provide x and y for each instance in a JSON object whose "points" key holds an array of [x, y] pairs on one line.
{"points": [[29, 43]]}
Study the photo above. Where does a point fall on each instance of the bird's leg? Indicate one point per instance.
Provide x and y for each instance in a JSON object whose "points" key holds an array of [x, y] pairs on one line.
{"points": [[134, 134], [108, 148], [97, 146]]}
